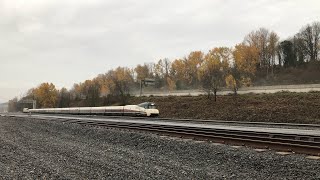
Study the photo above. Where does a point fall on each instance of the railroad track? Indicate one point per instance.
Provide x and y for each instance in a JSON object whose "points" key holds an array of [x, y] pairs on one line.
{"points": [[305, 144], [245, 123], [231, 122]]}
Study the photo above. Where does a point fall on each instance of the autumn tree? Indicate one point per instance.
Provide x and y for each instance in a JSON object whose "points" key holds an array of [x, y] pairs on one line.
{"points": [[259, 40], [178, 73], [214, 69], [266, 43], [101, 80], [232, 83], [233, 78], [119, 83], [75, 92], [46, 95], [142, 72], [192, 64], [171, 84], [246, 59]]}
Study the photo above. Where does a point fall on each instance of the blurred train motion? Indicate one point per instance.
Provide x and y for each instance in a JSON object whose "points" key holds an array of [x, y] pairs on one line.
{"points": [[148, 109]]}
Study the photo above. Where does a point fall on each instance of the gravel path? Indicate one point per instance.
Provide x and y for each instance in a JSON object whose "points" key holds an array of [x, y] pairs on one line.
{"points": [[36, 149]]}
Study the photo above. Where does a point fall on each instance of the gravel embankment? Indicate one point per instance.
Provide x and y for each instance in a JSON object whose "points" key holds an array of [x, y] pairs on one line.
{"points": [[36, 149]]}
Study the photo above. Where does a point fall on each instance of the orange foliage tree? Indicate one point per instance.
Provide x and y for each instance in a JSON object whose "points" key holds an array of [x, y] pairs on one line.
{"points": [[46, 95], [245, 61], [213, 70]]}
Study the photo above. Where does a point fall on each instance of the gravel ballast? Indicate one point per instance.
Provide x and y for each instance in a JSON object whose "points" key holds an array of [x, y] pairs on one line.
{"points": [[33, 149]]}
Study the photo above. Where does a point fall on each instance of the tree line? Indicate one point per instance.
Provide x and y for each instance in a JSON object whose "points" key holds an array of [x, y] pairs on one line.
{"points": [[260, 53]]}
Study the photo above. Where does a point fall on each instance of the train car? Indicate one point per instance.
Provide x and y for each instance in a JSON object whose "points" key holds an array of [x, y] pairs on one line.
{"points": [[143, 109]]}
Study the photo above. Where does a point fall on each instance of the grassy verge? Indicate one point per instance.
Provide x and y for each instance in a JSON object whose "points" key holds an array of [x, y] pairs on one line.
{"points": [[279, 107]]}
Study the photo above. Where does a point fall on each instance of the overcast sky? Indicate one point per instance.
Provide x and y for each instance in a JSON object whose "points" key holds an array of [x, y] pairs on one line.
{"points": [[69, 41]]}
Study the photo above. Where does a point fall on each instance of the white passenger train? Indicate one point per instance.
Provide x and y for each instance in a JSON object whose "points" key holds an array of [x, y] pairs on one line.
{"points": [[143, 109]]}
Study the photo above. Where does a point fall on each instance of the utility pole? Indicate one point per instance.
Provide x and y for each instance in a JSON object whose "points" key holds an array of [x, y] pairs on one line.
{"points": [[141, 87], [146, 82], [34, 104]]}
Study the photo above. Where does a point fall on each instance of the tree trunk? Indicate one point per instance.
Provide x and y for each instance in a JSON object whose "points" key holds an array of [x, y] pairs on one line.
{"points": [[235, 91], [272, 66]]}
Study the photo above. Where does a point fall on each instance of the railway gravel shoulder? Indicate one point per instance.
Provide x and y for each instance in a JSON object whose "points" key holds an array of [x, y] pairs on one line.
{"points": [[33, 149]]}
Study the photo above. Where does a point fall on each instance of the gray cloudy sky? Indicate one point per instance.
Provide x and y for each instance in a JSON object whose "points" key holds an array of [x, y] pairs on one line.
{"points": [[68, 41]]}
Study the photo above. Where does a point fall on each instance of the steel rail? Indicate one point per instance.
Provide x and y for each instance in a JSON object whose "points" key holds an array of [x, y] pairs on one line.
{"points": [[306, 144], [225, 122], [211, 121], [210, 130]]}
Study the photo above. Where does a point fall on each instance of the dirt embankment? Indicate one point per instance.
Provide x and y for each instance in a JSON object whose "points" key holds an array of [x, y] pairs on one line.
{"points": [[278, 107]]}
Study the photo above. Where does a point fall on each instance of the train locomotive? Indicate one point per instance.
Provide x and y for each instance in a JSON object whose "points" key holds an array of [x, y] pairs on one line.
{"points": [[148, 109]]}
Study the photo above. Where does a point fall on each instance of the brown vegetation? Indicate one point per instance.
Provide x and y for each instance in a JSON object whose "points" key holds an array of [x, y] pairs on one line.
{"points": [[278, 107]]}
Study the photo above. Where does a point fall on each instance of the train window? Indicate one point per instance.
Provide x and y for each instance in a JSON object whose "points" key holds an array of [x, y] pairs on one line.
{"points": [[147, 105], [143, 105]]}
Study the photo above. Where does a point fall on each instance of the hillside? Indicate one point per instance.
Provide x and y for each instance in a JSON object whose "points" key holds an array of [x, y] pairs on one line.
{"points": [[308, 74], [278, 107]]}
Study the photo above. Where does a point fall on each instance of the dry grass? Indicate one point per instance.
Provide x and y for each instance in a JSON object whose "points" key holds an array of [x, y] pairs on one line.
{"points": [[278, 107]]}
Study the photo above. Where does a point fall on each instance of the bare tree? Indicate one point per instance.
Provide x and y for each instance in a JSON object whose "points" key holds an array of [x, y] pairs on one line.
{"points": [[166, 66], [63, 98], [310, 35], [260, 40], [273, 45]]}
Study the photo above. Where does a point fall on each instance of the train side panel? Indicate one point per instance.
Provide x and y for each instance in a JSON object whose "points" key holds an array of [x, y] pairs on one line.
{"points": [[114, 110], [98, 110], [85, 110]]}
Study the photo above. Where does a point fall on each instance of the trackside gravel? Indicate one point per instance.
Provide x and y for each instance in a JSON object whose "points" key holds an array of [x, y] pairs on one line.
{"points": [[38, 149]]}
